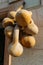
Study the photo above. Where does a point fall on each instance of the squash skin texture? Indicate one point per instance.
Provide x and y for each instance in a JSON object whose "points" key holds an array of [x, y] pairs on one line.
{"points": [[23, 17], [28, 41]]}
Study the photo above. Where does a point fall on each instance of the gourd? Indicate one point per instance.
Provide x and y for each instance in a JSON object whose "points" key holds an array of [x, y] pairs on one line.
{"points": [[15, 48]]}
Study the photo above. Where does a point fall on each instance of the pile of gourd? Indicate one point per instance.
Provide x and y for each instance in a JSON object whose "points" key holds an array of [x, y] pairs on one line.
{"points": [[20, 27]]}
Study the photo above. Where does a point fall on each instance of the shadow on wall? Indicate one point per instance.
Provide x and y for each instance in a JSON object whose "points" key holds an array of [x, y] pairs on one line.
{"points": [[2, 38]]}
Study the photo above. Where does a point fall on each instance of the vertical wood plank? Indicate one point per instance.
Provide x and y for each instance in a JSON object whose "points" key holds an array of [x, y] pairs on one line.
{"points": [[7, 57]]}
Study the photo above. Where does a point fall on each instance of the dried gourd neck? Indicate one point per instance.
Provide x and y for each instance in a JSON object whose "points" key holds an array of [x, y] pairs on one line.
{"points": [[16, 35]]}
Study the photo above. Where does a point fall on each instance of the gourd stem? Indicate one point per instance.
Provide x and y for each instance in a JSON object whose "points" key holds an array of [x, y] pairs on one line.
{"points": [[16, 34]]}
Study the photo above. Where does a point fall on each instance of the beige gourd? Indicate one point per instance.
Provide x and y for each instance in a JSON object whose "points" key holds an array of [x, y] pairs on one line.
{"points": [[23, 17], [28, 41], [7, 21], [15, 48]]}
